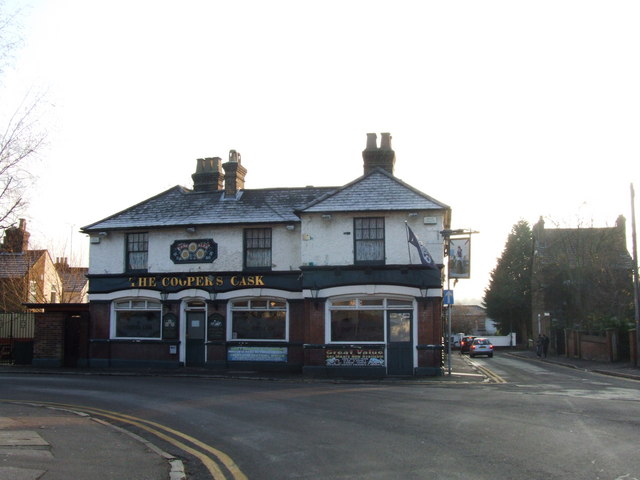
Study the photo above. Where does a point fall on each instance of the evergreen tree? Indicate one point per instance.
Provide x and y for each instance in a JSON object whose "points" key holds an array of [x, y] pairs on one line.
{"points": [[507, 299]]}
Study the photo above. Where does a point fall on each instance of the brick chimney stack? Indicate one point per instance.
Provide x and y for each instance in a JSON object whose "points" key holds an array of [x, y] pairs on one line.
{"points": [[208, 176], [16, 239], [234, 174], [374, 157]]}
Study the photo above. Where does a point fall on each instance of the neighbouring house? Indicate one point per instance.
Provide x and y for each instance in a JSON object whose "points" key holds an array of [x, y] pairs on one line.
{"points": [[471, 319], [328, 281], [75, 286], [581, 281], [26, 276], [30, 278]]}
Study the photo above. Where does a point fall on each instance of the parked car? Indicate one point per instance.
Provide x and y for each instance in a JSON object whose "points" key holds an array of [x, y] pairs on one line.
{"points": [[481, 346], [465, 343]]}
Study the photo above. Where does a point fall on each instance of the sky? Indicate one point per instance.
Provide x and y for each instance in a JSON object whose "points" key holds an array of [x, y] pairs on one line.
{"points": [[503, 110]]}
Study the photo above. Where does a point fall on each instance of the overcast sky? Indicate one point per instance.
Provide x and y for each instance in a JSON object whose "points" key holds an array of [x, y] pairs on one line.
{"points": [[504, 110]]}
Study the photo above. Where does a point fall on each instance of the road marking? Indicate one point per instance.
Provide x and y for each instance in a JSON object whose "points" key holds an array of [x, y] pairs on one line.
{"points": [[165, 433], [492, 376]]}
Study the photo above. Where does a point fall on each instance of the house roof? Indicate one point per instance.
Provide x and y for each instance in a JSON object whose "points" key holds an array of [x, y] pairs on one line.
{"points": [[74, 279], [377, 191], [179, 206], [16, 265]]}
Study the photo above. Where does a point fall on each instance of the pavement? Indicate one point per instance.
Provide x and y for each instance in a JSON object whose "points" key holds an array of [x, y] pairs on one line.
{"points": [[39, 442], [615, 369]]}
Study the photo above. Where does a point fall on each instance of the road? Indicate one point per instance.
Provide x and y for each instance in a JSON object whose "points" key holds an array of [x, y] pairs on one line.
{"points": [[534, 421]]}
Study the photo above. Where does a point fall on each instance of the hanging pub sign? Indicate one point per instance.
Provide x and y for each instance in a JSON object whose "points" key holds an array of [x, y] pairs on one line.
{"points": [[460, 257], [194, 251]]}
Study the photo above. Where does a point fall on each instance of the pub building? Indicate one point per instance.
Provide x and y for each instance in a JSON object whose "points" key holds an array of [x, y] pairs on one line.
{"points": [[318, 280]]}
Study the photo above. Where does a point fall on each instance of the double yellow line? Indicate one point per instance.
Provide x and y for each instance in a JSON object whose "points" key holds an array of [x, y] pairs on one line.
{"points": [[211, 458], [493, 377]]}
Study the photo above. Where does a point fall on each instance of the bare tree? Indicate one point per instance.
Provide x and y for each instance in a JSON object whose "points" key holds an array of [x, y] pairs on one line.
{"points": [[20, 135]]}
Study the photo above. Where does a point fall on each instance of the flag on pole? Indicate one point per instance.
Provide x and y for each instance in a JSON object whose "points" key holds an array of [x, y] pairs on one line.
{"points": [[425, 256]]}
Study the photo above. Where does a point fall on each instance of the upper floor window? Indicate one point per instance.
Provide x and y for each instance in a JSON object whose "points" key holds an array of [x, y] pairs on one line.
{"points": [[137, 251], [369, 240], [257, 248]]}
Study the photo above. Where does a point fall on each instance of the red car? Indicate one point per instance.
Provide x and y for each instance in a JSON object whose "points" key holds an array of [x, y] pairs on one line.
{"points": [[465, 343]]}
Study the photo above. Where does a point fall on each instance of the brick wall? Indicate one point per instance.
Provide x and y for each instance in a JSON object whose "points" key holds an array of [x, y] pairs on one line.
{"points": [[49, 339]]}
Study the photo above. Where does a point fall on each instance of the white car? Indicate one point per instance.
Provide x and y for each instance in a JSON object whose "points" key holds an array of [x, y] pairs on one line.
{"points": [[481, 346]]}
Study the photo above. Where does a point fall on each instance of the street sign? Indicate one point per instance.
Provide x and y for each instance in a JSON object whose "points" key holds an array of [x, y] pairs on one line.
{"points": [[448, 297]]}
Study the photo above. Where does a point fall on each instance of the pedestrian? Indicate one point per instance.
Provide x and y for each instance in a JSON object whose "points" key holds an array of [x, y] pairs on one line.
{"points": [[545, 345], [539, 343]]}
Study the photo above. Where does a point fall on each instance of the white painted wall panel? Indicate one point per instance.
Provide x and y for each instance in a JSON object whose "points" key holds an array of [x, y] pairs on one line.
{"points": [[331, 241], [107, 257]]}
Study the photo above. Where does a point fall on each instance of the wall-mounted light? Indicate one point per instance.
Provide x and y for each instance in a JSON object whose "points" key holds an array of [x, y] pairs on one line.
{"points": [[413, 214], [314, 295], [423, 294], [213, 296], [326, 216], [190, 229], [164, 295], [291, 227], [103, 234]]}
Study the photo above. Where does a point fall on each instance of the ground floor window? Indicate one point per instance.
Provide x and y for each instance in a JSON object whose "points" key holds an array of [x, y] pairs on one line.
{"points": [[137, 319], [361, 319], [357, 326], [259, 319]]}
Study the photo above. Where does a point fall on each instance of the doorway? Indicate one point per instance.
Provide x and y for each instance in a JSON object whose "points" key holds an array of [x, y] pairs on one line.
{"points": [[195, 354], [399, 343], [72, 335]]}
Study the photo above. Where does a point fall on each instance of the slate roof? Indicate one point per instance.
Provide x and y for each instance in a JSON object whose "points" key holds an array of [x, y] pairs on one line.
{"points": [[16, 265], [376, 191], [179, 206], [74, 279]]}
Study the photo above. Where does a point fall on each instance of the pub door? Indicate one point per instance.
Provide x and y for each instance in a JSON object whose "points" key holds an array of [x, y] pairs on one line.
{"points": [[399, 343], [195, 339]]}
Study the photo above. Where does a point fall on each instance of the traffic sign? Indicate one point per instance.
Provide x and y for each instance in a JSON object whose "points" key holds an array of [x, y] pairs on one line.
{"points": [[448, 297]]}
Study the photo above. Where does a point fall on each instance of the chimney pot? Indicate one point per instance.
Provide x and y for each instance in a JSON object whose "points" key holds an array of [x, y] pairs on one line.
{"points": [[372, 141], [208, 176], [374, 157], [16, 239], [385, 142], [234, 174]]}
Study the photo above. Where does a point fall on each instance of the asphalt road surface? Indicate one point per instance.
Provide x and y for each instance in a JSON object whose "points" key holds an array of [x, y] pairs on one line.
{"points": [[533, 421]]}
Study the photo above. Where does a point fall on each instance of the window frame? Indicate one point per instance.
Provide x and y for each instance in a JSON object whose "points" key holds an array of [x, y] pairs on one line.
{"points": [[129, 251], [246, 249], [360, 241], [255, 305], [135, 305], [365, 303]]}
